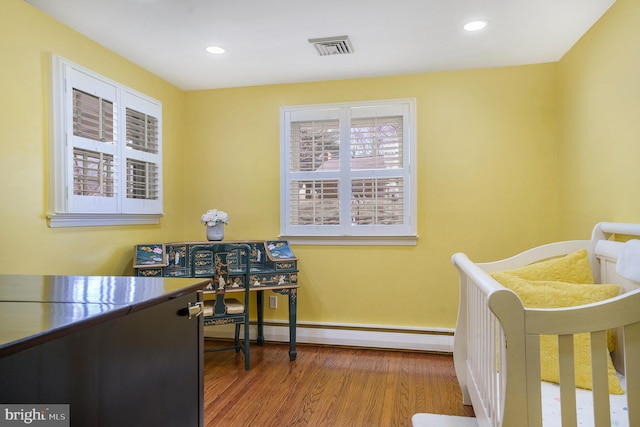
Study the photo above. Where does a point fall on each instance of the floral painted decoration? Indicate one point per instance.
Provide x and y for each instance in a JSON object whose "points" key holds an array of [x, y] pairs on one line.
{"points": [[213, 217]]}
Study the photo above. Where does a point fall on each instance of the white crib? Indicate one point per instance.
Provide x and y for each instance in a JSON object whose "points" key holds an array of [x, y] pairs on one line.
{"points": [[497, 342]]}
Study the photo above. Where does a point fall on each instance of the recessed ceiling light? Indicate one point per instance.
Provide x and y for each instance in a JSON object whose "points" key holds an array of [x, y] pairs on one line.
{"points": [[215, 49], [475, 25]]}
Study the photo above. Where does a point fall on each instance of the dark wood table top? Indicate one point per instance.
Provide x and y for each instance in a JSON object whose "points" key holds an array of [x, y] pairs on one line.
{"points": [[35, 309]]}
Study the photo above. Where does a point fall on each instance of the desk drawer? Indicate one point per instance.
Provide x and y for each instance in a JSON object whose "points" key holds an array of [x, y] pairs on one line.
{"points": [[273, 279]]}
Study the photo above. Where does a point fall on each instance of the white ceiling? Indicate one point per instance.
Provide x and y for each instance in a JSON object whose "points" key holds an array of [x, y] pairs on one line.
{"points": [[266, 41]]}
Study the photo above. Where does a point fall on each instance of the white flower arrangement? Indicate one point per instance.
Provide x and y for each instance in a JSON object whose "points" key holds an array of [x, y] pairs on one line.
{"points": [[213, 217]]}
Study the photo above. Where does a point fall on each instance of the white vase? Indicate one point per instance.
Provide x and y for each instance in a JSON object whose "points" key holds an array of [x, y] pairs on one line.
{"points": [[215, 232]]}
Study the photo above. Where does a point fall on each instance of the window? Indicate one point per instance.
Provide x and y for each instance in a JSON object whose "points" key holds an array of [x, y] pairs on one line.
{"points": [[348, 174], [106, 151]]}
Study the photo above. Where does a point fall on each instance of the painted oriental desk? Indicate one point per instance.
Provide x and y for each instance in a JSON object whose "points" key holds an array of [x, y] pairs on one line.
{"points": [[273, 267]]}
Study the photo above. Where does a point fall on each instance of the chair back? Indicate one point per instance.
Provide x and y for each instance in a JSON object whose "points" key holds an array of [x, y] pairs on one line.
{"points": [[228, 264]]}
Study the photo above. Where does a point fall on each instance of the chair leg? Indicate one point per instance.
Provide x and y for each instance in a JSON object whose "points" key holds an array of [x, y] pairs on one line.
{"points": [[247, 363], [237, 338]]}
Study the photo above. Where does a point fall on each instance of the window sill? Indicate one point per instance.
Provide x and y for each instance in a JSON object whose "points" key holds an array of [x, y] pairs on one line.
{"points": [[94, 220], [352, 240]]}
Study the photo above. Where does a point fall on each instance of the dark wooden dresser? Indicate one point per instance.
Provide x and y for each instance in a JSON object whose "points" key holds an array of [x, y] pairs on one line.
{"points": [[120, 351]]}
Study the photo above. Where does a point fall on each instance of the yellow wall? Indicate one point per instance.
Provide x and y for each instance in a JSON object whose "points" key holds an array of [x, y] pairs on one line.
{"points": [[486, 170], [27, 37], [599, 120], [488, 166]]}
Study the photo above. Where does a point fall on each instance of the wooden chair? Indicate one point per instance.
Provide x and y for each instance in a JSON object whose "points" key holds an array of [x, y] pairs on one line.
{"points": [[228, 265]]}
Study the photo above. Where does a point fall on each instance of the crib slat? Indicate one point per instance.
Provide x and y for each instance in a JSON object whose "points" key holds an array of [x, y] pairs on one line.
{"points": [[632, 371], [534, 396], [599, 378], [567, 380]]}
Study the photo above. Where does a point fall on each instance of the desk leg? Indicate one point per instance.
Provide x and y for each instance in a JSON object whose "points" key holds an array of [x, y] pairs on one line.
{"points": [[293, 314], [293, 318], [260, 308]]}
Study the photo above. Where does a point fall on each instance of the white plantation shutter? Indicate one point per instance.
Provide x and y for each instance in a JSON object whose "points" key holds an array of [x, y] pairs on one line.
{"points": [[314, 202], [106, 162], [142, 180], [91, 106], [93, 171], [142, 155], [376, 143], [377, 161], [346, 170], [315, 144], [92, 116], [142, 131], [377, 201], [93, 174], [314, 164], [142, 137]]}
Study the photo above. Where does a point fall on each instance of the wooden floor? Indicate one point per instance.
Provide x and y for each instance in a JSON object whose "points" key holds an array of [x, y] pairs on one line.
{"points": [[327, 386]]}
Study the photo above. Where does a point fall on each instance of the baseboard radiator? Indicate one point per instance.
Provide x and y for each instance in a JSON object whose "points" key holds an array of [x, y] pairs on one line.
{"points": [[368, 336]]}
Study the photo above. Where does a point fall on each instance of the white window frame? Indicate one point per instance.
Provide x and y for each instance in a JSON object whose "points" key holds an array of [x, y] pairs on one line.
{"points": [[69, 210], [346, 233]]}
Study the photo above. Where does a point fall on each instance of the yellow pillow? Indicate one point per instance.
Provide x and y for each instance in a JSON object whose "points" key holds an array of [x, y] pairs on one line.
{"points": [[552, 294], [571, 268], [581, 359], [555, 294]]}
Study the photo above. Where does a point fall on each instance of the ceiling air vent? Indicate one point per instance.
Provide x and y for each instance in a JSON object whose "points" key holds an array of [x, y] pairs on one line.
{"points": [[332, 45]]}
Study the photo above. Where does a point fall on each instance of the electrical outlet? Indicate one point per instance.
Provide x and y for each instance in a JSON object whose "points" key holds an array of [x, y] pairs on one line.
{"points": [[273, 301]]}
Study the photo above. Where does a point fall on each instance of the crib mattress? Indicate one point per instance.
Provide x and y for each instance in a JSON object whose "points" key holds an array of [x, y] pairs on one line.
{"points": [[551, 416]]}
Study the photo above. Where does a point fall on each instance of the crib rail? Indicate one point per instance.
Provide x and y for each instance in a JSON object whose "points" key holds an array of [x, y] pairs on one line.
{"points": [[604, 230], [478, 364]]}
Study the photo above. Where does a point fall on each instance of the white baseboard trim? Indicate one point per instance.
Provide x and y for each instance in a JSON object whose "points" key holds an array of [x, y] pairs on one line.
{"points": [[396, 338]]}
